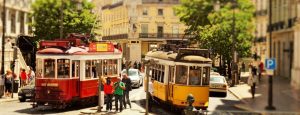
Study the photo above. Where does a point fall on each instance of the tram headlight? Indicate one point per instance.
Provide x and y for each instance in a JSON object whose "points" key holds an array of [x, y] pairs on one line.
{"points": [[48, 92]]}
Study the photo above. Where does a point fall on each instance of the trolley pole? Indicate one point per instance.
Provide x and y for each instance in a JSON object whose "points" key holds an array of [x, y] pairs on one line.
{"points": [[148, 64]]}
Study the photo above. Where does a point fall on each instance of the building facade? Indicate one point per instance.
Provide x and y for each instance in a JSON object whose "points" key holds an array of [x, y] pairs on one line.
{"points": [[296, 48], [261, 23], [17, 19], [141, 25], [284, 28]]}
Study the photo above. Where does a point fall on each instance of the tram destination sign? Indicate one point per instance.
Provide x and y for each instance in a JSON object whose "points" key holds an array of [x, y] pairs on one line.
{"points": [[101, 47]]}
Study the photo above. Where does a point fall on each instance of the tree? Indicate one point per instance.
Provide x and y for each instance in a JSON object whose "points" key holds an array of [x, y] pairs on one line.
{"points": [[214, 28], [46, 14]]}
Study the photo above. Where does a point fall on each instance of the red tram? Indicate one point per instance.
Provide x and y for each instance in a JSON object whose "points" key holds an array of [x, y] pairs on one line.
{"points": [[68, 72]]}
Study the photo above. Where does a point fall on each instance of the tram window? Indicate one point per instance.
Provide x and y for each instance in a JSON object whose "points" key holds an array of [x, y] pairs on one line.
{"points": [[171, 73], [195, 74], [63, 68], [162, 74], [88, 69], [49, 68], [99, 67], [206, 75], [181, 74], [75, 68], [39, 68]]}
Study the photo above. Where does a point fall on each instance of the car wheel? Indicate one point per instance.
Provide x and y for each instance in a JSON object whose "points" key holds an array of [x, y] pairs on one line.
{"points": [[225, 94], [22, 99], [142, 83]]}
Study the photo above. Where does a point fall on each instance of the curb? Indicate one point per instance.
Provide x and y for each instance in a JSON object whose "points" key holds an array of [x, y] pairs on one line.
{"points": [[239, 106], [88, 112], [237, 96], [10, 100]]}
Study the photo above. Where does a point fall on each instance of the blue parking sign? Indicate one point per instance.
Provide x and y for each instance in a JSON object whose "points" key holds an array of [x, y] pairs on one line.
{"points": [[270, 64]]}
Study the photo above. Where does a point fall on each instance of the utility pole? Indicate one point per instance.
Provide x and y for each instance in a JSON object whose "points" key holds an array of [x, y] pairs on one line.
{"points": [[13, 69], [234, 67], [148, 64], [3, 36], [270, 92], [99, 68], [127, 66]]}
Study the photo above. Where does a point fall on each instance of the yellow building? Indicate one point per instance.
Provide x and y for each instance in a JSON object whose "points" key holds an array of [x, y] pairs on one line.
{"points": [[140, 25]]}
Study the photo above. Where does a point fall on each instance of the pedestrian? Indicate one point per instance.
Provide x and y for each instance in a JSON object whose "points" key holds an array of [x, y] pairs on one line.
{"points": [[108, 91], [150, 93], [31, 75], [8, 83], [252, 79], [119, 87], [139, 66], [243, 67], [260, 70], [128, 88], [23, 76], [135, 65]]}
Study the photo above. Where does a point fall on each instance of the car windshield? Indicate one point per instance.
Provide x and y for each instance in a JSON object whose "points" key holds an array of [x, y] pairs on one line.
{"points": [[131, 72], [217, 80]]}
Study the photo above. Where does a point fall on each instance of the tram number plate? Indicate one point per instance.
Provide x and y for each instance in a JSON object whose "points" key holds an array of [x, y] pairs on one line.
{"points": [[28, 94]]}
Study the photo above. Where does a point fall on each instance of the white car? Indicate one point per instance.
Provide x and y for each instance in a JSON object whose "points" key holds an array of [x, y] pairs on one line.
{"points": [[135, 76], [218, 84]]}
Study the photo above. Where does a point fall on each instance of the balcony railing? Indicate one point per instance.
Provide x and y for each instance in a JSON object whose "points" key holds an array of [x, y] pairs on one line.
{"points": [[115, 37], [164, 36], [261, 12], [161, 2], [260, 39]]}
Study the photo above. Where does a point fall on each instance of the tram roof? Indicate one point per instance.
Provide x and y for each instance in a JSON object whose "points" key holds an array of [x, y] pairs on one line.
{"points": [[172, 56]]}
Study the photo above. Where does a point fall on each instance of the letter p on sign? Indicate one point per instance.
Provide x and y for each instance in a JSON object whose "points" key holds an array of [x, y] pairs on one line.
{"points": [[270, 64]]}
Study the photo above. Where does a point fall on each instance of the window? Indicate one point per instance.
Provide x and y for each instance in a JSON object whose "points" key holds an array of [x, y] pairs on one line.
{"points": [[162, 73], [175, 31], [145, 12], [88, 69], [110, 67], [144, 28], [22, 23], [13, 21], [39, 68], [75, 68], [160, 31], [171, 73], [181, 74], [49, 68], [63, 68], [195, 75], [160, 12], [206, 76]]}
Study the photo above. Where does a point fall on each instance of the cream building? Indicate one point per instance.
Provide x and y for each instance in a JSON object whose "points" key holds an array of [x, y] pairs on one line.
{"points": [[140, 25], [261, 22], [284, 39]]}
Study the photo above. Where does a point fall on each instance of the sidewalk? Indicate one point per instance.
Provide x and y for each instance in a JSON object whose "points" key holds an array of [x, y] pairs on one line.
{"points": [[135, 110], [9, 99], [285, 99]]}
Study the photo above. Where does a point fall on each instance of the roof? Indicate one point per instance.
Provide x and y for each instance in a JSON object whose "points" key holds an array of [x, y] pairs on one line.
{"points": [[172, 56]]}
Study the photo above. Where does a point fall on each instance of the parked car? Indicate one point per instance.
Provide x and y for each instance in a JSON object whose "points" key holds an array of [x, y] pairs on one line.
{"points": [[218, 84], [27, 92], [135, 76]]}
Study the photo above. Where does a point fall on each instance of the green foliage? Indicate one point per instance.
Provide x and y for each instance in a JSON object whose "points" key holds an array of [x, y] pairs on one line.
{"points": [[46, 14], [214, 29]]}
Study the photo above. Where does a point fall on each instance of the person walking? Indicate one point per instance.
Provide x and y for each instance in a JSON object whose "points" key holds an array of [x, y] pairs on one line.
{"points": [[8, 83], [108, 91], [261, 70], [23, 76], [128, 88], [119, 87], [150, 93], [31, 75], [252, 80]]}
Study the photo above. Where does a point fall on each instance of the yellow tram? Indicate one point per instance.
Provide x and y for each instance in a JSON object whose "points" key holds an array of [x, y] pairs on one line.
{"points": [[178, 74]]}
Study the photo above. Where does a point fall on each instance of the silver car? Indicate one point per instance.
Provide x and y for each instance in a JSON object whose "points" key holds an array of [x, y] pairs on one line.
{"points": [[135, 76], [218, 84]]}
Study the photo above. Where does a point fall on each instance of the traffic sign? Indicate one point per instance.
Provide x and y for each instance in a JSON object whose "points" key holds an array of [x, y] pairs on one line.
{"points": [[271, 64]]}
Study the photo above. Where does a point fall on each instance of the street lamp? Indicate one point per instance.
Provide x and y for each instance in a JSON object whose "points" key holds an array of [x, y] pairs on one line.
{"points": [[270, 92], [3, 36]]}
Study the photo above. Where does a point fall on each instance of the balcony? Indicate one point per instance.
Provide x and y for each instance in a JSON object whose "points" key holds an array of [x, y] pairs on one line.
{"points": [[261, 12], [160, 2], [115, 37], [260, 39], [166, 36]]}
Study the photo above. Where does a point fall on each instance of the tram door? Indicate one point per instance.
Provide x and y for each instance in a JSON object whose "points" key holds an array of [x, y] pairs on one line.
{"points": [[170, 82]]}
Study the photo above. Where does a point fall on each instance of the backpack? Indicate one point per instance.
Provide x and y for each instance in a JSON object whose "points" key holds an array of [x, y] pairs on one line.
{"points": [[8, 81]]}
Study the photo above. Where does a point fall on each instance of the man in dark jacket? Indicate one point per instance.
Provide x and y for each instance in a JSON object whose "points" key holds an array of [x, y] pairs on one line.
{"points": [[128, 88]]}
